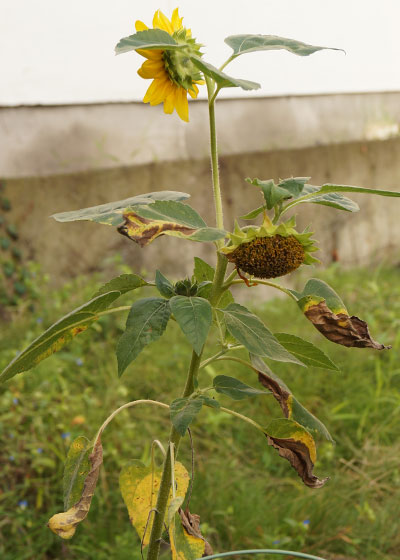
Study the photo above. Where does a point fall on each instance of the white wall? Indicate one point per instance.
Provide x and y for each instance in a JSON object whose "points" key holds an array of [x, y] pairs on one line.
{"points": [[55, 51]]}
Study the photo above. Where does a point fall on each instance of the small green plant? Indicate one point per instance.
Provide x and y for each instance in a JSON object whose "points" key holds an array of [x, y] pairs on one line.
{"points": [[217, 328]]}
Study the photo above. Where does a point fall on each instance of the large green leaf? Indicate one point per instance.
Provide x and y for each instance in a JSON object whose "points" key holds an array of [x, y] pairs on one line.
{"points": [[76, 469], [290, 406], [147, 39], [146, 322], [250, 331], [143, 224], [222, 79], [329, 188], [112, 212], [234, 388], [203, 271], [123, 284], [55, 337], [305, 351], [242, 44], [194, 316], [334, 200], [183, 411]]}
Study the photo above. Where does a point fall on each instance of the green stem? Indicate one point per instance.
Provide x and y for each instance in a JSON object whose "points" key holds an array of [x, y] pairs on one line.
{"points": [[264, 551], [225, 64], [242, 417], [272, 284]]}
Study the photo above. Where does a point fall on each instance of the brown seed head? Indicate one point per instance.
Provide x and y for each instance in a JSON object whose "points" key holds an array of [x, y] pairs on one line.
{"points": [[268, 257]]}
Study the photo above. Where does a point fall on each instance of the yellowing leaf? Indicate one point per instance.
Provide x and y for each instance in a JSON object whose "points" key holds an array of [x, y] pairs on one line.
{"points": [[139, 487], [187, 542], [64, 524]]}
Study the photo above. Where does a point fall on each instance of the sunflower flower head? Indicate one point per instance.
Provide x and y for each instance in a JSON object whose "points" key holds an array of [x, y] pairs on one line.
{"points": [[270, 250], [173, 73]]}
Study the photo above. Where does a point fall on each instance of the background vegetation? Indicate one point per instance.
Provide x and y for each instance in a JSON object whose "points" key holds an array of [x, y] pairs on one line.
{"points": [[244, 501]]}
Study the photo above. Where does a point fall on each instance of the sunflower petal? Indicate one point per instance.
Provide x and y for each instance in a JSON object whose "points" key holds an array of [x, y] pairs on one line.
{"points": [[140, 26], [162, 91], [153, 54], [152, 69], [181, 104], [152, 89], [176, 21], [193, 91], [169, 103]]}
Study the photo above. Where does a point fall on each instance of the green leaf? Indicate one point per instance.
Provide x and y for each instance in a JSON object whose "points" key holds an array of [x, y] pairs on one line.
{"points": [[123, 284], [143, 224], [272, 194], [328, 188], [183, 411], [253, 213], [76, 469], [250, 331], [164, 286], [194, 316], [112, 212], [242, 44], [334, 200], [234, 388], [294, 185], [290, 406], [147, 39], [316, 291], [147, 320], [208, 401], [55, 337], [305, 351], [222, 79], [203, 271]]}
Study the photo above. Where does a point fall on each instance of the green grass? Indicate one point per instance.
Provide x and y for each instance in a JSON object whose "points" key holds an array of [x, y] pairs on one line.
{"points": [[247, 496]]}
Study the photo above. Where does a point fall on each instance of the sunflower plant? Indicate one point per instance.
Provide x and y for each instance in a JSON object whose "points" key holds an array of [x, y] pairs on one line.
{"points": [[203, 306]]}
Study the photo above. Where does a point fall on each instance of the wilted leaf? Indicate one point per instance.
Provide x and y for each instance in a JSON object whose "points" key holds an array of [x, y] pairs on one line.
{"points": [[112, 212], [242, 44], [194, 316], [250, 331], [64, 524], [305, 351], [183, 411], [295, 444], [147, 39], [187, 542], [123, 284], [55, 337], [290, 406], [234, 388], [139, 488], [143, 224], [146, 322], [222, 79], [76, 469], [323, 307]]}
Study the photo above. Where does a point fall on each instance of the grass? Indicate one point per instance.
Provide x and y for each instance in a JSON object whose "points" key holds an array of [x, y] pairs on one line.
{"points": [[246, 495]]}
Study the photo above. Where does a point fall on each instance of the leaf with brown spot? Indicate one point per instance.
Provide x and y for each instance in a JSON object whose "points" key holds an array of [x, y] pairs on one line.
{"points": [[295, 443], [187, 542], [326, 311], [64, 524], [290, 406], [143, 224]]}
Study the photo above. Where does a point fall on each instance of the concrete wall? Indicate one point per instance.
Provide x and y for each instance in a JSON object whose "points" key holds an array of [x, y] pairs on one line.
{"points": [[319, 131]]}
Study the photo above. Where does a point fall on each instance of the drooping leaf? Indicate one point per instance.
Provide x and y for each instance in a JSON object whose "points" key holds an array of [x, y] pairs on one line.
{"points": [[290, 406], [139, 488], [147, 39], [305, 351], [123, 284], [203, 271], [55, 337], [146, 322], [250, 331], [112, 212], [234, 388], [222, 79], [76, 469], [272, 193], [242, 44], [143, 224], [64, 524], [187, 542], [295, 444], [183, 411], [194, 316], [323, 307], [164, 286], [333, 200]]}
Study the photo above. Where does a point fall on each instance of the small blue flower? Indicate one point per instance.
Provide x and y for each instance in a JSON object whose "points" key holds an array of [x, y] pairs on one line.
{"points": [[11, 458], [39, 450], [23, 504], [39, 320], [79, 362], [306, 522], [66, 435], [15, 400]]}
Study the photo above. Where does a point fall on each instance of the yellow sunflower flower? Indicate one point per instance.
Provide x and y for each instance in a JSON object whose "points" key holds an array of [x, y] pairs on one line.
{"points": [[173, 74]]}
